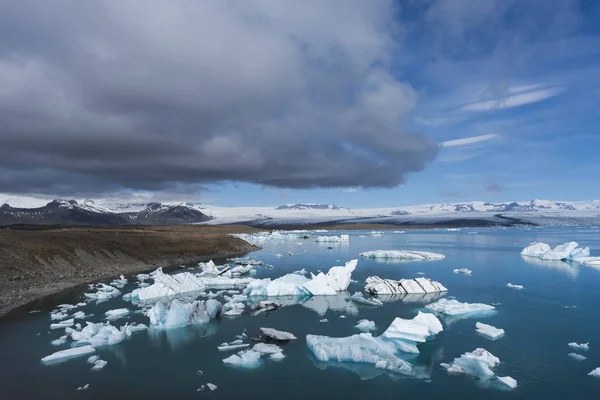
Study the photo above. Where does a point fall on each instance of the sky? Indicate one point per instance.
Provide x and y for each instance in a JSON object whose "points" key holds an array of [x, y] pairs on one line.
{"points": [[377, 103]]}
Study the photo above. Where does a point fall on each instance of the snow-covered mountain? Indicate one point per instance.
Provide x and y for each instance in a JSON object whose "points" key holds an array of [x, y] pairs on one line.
{"points": [[88, 212]]}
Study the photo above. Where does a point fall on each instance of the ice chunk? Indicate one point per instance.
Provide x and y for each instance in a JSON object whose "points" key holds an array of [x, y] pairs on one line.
{"points": [[265, 348], [98, 365], [169, 285], [277, 356], [69, 353], [489, 331], [211, 386], [563, 252], [582, 346], [513, 286], [464, 271], [365, 325], [246, 359], [324, 320], [63, 324], [60, 341], [479, 363], [454, 307], [180, 314], [536, 249], [262, 306], [577, 357], [378, 286], [213, 308], [208, 268], [103, 292], [103, 334], [277, 335], [332, 239], [93, 359], [119, 283], [84, 387], [79, 315], [359, 298], [595, 373], [233, 309], [58, 315], [336, 280], [241, 270], [418, 329], [412, 255], [231, 346], [113, 315], [246, 261]]}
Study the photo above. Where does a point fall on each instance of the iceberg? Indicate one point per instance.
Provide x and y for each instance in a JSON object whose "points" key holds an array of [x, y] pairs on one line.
{"points": [[455, 308], [336, 280], [168, 285], [411, 255], [479, 364], [182, 314], [489, 331], [103, 334], [464, 271], [277, 335], [378, 286], [119, 283], [563, 252], [63, 324], [246, 261], [116, 314], [332, 239], [365, 325], [69, 353], [582, 346], [58, 315], [513, 286], [247, 359], [595, 373], [577, 357]]}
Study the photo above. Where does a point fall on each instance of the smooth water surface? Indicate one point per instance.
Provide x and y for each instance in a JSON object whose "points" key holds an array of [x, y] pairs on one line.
{"points": [[164, 364]]}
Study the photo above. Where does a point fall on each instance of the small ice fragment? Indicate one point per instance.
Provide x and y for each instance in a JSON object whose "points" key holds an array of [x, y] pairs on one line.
{"points": [[595, 373], [116, 314], [228, 347], [245, 359], [464, 271], [365, 325], [34, 311], [63, 324], [199, 372], [60, 341], [98, 365], [489, 331], [581, 346], [577, 357], [201, 388], [277, 356], [93, 359], [68, 353], [342, 316], [324, 320], [508, 381], [84, 387], [265, 348], [454, 307], [414, 255], [211, 386], [277, 335], [518, 287], [420, 273]]}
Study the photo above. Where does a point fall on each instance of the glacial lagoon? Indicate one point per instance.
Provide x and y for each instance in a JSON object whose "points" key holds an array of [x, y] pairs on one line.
{"points": [[557, 305]]}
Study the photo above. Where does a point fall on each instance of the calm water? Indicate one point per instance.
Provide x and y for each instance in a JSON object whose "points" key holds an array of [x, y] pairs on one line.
{"points": [[164, 364]]}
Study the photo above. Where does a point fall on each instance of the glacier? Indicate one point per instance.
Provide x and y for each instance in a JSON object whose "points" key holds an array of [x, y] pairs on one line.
{"points": [[479, 364], [377, 286], [409, 255]]}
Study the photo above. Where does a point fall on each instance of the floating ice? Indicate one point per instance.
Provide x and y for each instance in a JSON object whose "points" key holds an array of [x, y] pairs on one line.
{"points": [[119, 283], [563, 252], [360, 298], [79, 315], [336, 280], [212, 387], [60, 341], [464, 271], [324, 320], [241, 270], [247, 359], [582, 346], [277, 356], [103, 292], [93, 359], [231, 346], [454, 308], [84, 387], [169, 285], [233, 309], [69, 353], [98, 365], [512, 286], [378, 286], [595, 373], [489, 331], [577, 357], [303, 272], [113, 315], [246, 261], [182, 314], [333, 239], [365, 325], [63, 324], [262, 306], [277, 335], [479, 363], [103, 334], [412, 255], [58, 315]]}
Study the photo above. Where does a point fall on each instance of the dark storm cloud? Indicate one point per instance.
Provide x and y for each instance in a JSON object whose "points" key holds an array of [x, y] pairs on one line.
{"points": [[109, 95]]}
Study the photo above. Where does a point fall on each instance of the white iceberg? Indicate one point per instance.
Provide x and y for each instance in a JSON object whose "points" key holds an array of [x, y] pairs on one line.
{"points": [[453, 308], [247, 359], [58, 315], [277, 356], [336, 280], [69, 353], [513, 286], [246, 261], [566, 251], [103, 292], [277, 335], [168, 285], [479, 363], [103, 334], [119, 283], [60, 341], [412, 255], [595, 373], [577, 357], [489, 331], [180, 314], [580, 346], [332, 239], [63, 324], [463, 271], [365, 325], [116, 314], [98, 365], [378, 286], [229, 346]]}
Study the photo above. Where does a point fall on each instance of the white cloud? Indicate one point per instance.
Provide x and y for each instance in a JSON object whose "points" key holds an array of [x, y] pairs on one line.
{"points": [[515, 100], [468, 140]]}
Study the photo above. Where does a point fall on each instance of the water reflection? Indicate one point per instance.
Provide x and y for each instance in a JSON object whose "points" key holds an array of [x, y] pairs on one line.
{"points": [[182, 337], [571, 270]]}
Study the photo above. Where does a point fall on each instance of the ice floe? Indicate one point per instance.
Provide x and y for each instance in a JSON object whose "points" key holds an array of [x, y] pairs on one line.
{"points": [[99, 334], [116, 314], [69, 353], [455, 308], [580, 346], [180, 314], [513, 286], [463, 271], [251, 358], [489, 331], [98, 365], [103, 292], [231, 346], [84, 387], [60, 341], [411, 255], [246, 261], [63, 324], [277, 335], [479, 364], [377, 286], [365, 325], [577, 357], [168, 285], [565, 252], [595, 373], [332, 239]]}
